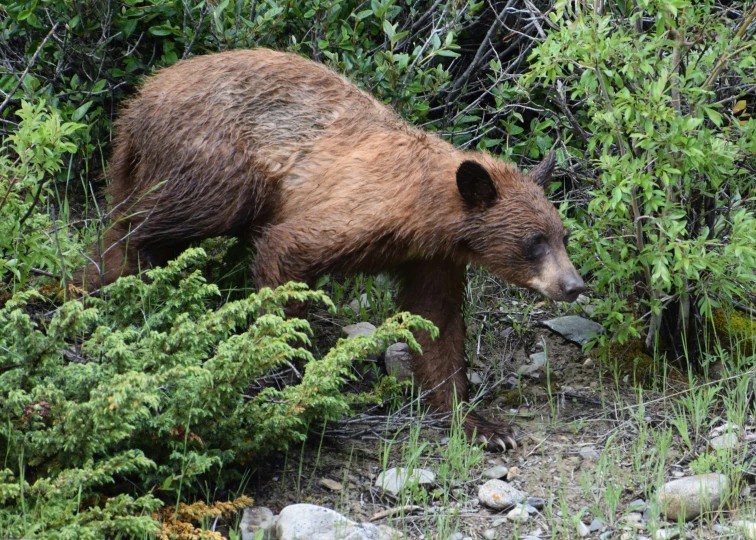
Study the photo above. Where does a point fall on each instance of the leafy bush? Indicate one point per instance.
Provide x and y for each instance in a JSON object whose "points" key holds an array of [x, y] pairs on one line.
{"points": [[147, 389], [653, 97], [30, 236]]}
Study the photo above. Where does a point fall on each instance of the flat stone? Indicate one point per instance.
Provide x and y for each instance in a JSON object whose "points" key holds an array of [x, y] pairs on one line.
{"points": [[500, 495], [500, 471], [689, 497], [333, 485], [475, 378], [307, 521], [394, 480], [638, 505], [536, 502], [357, 303], [398, 361], [576, 329], [726, 441], [255, 518], [489, 534], [499, 522], [582, 529], [596, 525]]}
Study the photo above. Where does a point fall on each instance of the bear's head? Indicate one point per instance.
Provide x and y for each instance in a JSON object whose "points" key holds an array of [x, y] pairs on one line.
{"points": [[511, 228]]}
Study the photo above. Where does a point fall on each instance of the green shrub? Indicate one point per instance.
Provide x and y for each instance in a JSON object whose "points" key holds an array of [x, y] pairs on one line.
{"points": [[138, 394], [652, 99]]}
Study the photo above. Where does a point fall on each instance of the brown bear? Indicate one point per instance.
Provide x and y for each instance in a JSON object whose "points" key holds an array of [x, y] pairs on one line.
{"points": [[321, 177]]}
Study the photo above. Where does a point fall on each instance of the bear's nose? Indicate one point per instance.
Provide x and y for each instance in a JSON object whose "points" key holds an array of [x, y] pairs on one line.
{"points": [[572, 287]]}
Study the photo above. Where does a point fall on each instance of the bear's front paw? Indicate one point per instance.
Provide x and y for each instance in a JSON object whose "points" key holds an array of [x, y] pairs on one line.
{"points": [[494, 436]]}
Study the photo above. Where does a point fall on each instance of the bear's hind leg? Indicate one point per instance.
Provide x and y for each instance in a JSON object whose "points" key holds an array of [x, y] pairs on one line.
{"points": [[435, 290]]}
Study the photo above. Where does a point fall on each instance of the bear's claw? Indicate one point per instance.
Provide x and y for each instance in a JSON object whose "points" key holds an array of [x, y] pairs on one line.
{"points": [[493, 436]]}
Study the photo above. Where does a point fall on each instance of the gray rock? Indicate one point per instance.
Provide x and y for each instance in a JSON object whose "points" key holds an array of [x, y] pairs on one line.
{"points": [[395, 479], [537, 362], [499, 522], [357, 303], [536, 502], [457, 536], [577, 329], [475, 378], [726, 441], [689, 497], [358, 329], [638, 505], [605, 535], [333, 485], [582, 529], [489, 534], [500, 495], [596, 525], [310, 522], [530, 509], [518, 513], [500, 471], [398, 361], [255, 518], [589, 453]]}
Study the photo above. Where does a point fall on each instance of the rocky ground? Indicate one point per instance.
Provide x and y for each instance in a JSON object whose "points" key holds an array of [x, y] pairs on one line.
{"points": [[598, 457]]}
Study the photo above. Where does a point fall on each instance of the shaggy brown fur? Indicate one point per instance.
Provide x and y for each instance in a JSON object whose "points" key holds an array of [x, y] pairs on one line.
{"points": [[321, 177]]}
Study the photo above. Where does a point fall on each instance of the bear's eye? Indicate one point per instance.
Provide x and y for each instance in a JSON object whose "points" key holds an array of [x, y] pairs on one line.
{"points": [[536, 246]]}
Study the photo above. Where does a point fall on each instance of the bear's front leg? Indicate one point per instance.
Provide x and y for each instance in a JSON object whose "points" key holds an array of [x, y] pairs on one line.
{"points": [[435, 290]]}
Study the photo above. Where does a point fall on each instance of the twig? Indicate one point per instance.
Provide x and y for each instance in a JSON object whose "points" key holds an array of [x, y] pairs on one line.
{"points": [[391, 511], [28, 67], [723, 58]]}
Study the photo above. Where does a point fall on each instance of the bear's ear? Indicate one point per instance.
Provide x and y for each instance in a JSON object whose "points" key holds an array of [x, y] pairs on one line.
{"points": [[475, 184], [541, 173]]}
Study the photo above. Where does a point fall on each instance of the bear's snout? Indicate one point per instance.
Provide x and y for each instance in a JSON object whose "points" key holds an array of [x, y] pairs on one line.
{"points": [[572, 286]]}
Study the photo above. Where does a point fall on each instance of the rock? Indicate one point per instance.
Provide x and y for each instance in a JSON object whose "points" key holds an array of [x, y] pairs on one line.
{"points": [[457, 536], [537, 361], [666, 534], [727, 427], [398, 361], [588, 363], [690, 496], [395, 479], [638, 505], [475, 378], [596, 525], [530, 509], [589, 453], [635, 520], [506, 332], [518, 513], [536, 502], [513, 473], [577, 329], [333, 485], [489, 534], [357, 303], [255, 518], [582, 529], [746, 528], [307, 521], [358, 329], [499, 522], [726, 441], [583, 299], [499, 471], [500, 495], [605, 535]]}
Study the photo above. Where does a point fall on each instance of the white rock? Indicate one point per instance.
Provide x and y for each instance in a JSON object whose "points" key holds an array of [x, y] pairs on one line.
{"points": [[255, 518], [475, 377], [513, 473], [518, 513], [745, 528], [499, 495], [583, 529], [489, 534], [689, 497], [398, 361], [395, 479], [724, 428], [500, 471], [357, 303], [726, 441], [310, 522], [666, 534]]}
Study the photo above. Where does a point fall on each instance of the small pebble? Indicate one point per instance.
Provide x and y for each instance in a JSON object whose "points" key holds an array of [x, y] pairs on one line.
{"points": [[499, 522], [589, 453], [666, 534], [457, 536], [637, 505], [605, 535], [596, 525], [583, 529], [513, 473], [588, 363], [518, 513], [531, 509], [499, 471], [489, 534], [536, 502]]}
